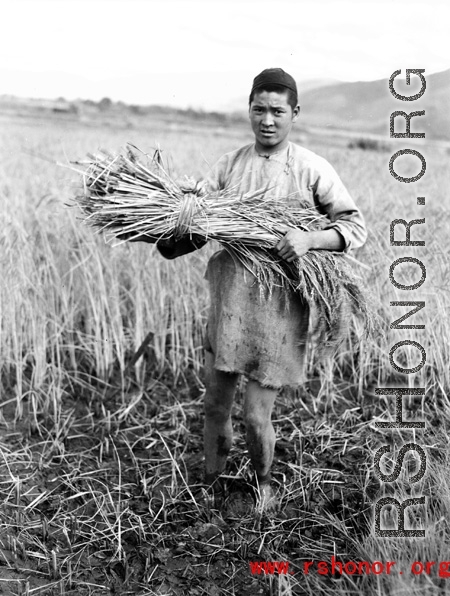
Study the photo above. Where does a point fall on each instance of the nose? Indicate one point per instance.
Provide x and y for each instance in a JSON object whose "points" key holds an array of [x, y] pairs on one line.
{"points": [[267, 119]]}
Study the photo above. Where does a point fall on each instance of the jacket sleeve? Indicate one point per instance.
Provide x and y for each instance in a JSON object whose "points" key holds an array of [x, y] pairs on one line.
{"points": [[176, 248], [333, 199]]}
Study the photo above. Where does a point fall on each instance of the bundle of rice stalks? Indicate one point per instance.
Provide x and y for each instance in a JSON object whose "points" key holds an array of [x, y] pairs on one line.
{"points": [[127, 198]]}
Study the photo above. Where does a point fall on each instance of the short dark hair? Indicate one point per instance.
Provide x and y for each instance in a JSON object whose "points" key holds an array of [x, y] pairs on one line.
{"points": [[292, 97]]}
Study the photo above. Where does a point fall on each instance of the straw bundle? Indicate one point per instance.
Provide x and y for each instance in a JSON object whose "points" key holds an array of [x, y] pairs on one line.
{"points": [[126, 198]]}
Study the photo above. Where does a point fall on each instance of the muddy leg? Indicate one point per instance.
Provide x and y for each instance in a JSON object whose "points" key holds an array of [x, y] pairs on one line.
{"points": [[218, 434], [258, 406]]}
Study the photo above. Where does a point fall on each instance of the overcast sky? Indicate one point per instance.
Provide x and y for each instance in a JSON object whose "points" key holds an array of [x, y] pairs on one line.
{"points": [[206, 53]]}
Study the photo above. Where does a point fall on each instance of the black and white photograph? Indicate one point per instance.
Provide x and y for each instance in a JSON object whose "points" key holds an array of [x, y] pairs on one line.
{"points": [[224, 298]]}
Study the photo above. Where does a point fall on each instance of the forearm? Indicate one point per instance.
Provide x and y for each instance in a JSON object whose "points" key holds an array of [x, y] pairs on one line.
{"points": [[326, 240], [297, 243]]}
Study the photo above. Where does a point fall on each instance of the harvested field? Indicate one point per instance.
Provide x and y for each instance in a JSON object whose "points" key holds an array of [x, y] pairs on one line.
{"points": [[101, 397]]}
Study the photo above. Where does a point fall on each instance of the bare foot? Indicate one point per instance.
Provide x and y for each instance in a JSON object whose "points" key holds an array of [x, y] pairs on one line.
{"points": [[215, 490], [267, 502]]}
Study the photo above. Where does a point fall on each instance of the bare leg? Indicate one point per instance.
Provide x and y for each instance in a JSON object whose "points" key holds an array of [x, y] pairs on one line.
{"points": [[218, 433], [258, 406]]}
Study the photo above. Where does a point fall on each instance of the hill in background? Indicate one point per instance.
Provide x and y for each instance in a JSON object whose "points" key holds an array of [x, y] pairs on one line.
{"points": [[366, 106]]}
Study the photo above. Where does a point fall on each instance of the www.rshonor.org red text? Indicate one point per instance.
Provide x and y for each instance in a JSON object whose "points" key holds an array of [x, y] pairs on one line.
{"points": [[442, 569]]}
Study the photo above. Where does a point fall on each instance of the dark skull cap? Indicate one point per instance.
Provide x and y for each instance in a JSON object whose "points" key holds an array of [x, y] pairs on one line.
{"points": [[274, 76]]}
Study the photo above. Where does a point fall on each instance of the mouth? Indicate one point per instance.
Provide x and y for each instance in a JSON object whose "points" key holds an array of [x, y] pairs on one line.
{"points": [[267, 133]]}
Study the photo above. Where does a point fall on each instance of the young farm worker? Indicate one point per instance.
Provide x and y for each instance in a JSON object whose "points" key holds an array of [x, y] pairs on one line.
{"points": [[249, 332]]}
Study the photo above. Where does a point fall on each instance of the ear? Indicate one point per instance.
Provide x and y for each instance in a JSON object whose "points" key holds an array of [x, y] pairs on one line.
{"points": [[295, 113]]}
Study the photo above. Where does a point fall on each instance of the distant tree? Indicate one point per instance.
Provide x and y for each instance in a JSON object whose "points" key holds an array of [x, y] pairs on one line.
{"points": [[105, 104], [368, 145], [135, 109]]}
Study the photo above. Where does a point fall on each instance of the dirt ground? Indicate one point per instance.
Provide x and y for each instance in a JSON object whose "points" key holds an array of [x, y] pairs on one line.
{"points": [[109, 500]]}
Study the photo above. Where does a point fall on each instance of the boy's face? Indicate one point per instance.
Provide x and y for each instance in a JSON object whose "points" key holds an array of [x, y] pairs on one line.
{"points": [[271, 118]]}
